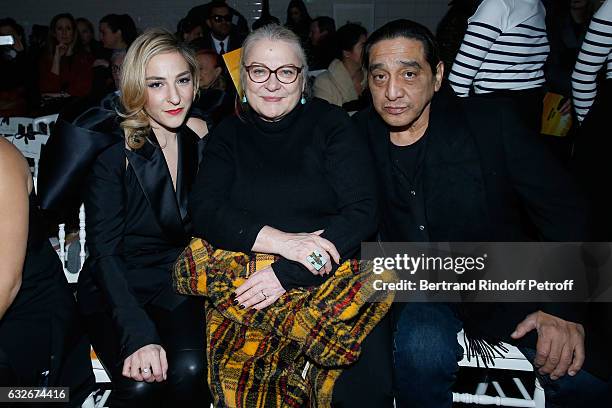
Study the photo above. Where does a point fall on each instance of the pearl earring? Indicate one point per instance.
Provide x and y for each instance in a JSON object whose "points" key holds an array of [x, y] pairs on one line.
{"points": [[244, 99], [303, 101]]}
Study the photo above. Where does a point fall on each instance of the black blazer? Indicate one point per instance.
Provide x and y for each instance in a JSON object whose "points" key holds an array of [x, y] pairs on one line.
{"points": [[487, 178], [235, 41], [136, 227]]}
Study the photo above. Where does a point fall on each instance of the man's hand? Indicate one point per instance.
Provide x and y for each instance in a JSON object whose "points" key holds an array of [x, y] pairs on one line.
{"points": [[560, 347]]}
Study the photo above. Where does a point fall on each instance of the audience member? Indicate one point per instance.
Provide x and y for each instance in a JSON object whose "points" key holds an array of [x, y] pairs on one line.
{"points": [[65, 69], [265, 17], [595, 54], [41, 343], [322, 47], [287, 167], [495, 59], [215, 100], [593, 104], [136, 184], [451, 30], [16, 72], [117, 32], [188, 30], [298, 20], [87, 36], [223, 36], [345, 78], [469, 170], [566, 25]]}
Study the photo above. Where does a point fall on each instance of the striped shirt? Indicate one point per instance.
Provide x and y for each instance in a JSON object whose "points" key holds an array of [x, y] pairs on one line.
{"points": [[595, 53], [505, 48]]}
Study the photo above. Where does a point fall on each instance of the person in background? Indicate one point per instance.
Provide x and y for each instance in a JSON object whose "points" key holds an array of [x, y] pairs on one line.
{"points": [[593, 104], [265, 17], [188, 30], [566, 25], [17, 91], [117, 32], [322, 46], [223, 36], [65, 68], [451, 29], [41, 343], [111, 101], [494, 58], [298, 20], [345, 79], [216, 99], [87, 36]]}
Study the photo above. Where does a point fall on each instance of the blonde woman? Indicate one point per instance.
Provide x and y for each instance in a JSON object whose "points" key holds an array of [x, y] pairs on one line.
{"points": [[149, 338]]}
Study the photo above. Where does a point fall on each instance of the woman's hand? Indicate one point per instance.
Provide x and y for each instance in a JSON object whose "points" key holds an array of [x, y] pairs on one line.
{"points": [[61, 50], [148, 363], [298, 247], [260, 290]]}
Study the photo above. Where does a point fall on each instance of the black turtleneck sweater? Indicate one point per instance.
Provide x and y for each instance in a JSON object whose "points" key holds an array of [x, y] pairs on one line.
{"points": [[309, 171]]}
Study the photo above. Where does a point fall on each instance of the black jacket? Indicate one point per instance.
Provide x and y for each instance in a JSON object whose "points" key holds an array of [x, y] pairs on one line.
{"points": [[136, 227], [486, 178]]}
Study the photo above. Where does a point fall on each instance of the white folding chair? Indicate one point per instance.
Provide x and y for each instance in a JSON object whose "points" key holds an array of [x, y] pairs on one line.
{"points": [[513, 359]]}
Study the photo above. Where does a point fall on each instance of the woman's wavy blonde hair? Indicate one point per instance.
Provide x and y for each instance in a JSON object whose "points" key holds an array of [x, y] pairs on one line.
{"points": [[153, 42]]}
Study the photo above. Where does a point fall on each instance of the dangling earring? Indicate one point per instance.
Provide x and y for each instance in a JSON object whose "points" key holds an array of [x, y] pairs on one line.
{"points": [[303, 100], [244, 99]]}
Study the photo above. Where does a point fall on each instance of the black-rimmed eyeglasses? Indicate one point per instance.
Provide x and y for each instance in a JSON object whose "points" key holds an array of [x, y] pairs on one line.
{"points": [[286, 74]]}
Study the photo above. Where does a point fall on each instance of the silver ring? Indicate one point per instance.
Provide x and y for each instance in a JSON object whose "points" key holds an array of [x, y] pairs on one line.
{"points": [[264, 295], [317, 260], [145, 370]]}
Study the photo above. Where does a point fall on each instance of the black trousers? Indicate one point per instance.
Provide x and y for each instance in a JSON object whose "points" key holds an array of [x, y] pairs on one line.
{"points": [[182, 332]]}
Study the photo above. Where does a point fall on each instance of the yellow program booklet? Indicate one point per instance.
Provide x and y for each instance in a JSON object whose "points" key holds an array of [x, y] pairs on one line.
{"points": [[555, 123]]}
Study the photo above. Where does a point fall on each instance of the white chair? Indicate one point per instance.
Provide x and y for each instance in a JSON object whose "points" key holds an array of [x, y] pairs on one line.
{"points": [[513, 359], [97, 399], [29, 135], [61, 247]]}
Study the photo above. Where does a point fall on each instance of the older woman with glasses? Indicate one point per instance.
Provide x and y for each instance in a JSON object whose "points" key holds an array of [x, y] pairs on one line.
{"points": [[290, 177]]}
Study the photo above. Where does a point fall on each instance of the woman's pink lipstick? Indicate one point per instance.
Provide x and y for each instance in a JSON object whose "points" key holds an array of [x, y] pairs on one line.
{"points": [[174, 112]]}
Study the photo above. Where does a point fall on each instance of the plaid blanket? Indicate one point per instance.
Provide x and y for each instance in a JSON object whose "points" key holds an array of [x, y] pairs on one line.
{"points": [[291, 353]]}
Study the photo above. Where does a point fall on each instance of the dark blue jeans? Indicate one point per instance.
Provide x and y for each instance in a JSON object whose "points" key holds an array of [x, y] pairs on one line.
{"points": [[426, 356]]}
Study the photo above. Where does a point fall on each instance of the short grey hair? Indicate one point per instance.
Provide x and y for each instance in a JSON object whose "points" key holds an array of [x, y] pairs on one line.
{"points": [[273, 32]]}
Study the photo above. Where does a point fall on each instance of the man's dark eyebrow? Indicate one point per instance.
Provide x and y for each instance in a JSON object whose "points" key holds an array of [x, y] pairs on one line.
{"points": [[408, 64]]}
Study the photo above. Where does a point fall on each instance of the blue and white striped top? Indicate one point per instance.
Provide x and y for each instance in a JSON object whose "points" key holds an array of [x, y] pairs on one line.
{"points": [[505, 48], [595, 53]]}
